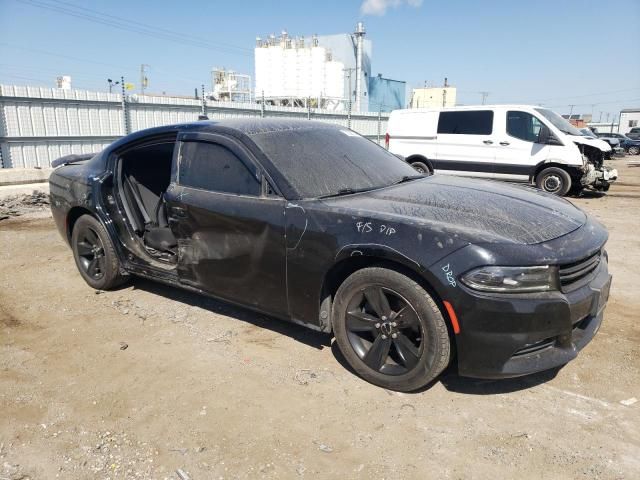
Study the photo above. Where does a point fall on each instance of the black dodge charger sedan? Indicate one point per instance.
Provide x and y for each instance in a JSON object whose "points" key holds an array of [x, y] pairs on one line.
{"points": [[314, 224]]}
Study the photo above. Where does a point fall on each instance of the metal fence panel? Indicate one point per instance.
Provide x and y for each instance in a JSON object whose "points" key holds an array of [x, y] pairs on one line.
{"points": [[38, 125]]}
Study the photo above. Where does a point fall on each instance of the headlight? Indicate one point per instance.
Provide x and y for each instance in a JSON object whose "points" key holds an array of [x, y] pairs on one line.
{"points": [[512, 279]]}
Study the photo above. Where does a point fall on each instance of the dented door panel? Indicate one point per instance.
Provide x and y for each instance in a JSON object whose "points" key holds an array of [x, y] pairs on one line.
{"points": [[231, 246]]}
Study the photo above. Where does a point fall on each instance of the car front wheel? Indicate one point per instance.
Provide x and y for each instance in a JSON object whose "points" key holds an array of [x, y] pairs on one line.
{"points": [[421, 167], [94, 254], [390, 330], [554, 180], [633, 150]]}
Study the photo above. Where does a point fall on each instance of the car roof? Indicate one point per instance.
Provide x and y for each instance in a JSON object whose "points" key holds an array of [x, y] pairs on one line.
{"points": [[248, 126]]}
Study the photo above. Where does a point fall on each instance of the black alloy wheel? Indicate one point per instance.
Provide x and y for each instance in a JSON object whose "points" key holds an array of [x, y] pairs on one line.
{"points": [[95, 255], [389, 329], [384, 330], [91, 253]]}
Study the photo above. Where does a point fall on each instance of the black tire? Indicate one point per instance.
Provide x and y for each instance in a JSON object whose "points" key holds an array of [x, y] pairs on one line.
{"points": [[554, 180], [633, 150], [94, 254], [375, 345], [421, 167]]}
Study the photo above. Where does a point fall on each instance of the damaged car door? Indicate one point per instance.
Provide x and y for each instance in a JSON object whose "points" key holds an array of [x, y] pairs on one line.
{"points": [[230, 230]]}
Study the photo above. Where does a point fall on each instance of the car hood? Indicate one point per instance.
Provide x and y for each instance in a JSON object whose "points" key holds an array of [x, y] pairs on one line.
{"points": [[594, 142], [475, 211]]}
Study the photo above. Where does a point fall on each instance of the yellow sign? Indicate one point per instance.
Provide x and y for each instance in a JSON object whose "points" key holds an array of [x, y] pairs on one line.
{"points": [[129, 86]]}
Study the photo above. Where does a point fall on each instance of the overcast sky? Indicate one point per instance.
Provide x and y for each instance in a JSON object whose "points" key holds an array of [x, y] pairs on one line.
{"points": [[556, 53]]}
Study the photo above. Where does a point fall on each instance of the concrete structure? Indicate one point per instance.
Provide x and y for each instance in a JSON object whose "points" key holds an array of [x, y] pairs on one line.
{"points": [[330, 69], [289, 71], [385, 94], [38, 125], [433, 97], [629, 118]]}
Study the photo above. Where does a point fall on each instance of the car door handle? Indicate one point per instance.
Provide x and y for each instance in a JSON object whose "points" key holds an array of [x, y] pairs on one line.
{"points": [[178, 212], [505, 143], [488, 142]]}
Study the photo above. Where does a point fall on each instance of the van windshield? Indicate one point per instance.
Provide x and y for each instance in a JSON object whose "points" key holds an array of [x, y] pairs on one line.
{"points": [[560, 123]]}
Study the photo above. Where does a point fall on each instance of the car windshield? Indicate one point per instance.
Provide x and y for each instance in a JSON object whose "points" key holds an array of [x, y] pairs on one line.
{"points": [[321, 161], [560, 123]]}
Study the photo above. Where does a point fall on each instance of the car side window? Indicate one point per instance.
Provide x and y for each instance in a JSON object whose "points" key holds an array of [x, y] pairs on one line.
{"points": [[523, 125], [468, 122], [216, 168]]}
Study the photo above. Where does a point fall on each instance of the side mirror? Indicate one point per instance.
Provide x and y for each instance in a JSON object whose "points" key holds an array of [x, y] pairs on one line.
{"points": [[544, 135]]}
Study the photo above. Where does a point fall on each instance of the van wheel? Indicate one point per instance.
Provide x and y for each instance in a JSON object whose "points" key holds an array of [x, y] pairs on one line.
{"points": [[94, 254], [390, 330], [554, 180], [421, 167]]}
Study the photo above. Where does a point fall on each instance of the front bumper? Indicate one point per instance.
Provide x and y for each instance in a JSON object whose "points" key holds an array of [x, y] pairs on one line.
{"points": [[512, 335]]}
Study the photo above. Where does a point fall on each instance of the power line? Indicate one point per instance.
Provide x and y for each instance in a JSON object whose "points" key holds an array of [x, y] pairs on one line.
{"points": [[127, 25], [586, 95], [53, 54], [159, 29]]}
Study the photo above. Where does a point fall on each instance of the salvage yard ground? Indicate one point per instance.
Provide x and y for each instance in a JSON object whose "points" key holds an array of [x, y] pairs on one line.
{"points": [[146, 380]]}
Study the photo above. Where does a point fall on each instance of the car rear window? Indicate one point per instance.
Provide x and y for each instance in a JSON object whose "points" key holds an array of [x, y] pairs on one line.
{"points": [[468, 122], [319, 161]]}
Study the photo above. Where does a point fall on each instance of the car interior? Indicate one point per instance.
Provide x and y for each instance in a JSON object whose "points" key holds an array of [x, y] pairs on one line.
{"points": [[145, 174]]}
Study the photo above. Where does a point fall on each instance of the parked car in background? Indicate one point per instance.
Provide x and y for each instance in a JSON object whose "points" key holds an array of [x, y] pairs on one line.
{"points": [[620, 136], [315, 224], [587, 132], [520, 143], [634, 133], [630, 146], [613, 140]]}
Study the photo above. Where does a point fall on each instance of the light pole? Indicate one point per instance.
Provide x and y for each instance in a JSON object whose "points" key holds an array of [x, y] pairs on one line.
{"points": [[111, 84]]}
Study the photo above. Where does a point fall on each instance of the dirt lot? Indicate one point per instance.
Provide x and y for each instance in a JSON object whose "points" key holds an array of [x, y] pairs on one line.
{"points": [[146, 380]]}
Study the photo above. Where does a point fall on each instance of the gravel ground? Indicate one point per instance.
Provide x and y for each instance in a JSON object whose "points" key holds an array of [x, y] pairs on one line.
{"points": [[153, 382]]}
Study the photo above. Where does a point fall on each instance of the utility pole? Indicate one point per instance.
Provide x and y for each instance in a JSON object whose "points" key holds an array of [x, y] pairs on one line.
{"points": [[204, 102], [125, 108], [349, 106], [484, 97], [600, 119], [444, 97], [571, 111], [349, 72], [144, 81]]}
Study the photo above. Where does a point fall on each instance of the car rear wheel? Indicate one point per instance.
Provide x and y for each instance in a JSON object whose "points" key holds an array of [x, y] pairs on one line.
{"points": [[94, 254], [554, 180], [633, 150], [390, 330]]}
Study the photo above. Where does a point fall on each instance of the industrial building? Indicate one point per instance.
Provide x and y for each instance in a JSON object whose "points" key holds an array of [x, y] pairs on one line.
{"points": [[229, 86], [434, 97], [629, 118], [385, 94], [327, 71]]}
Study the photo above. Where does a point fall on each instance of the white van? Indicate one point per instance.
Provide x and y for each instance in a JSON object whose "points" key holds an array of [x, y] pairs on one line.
{"points": [[520, 143]]}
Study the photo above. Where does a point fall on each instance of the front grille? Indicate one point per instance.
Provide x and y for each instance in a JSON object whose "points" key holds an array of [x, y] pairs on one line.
{"points": [[574, 272]]}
